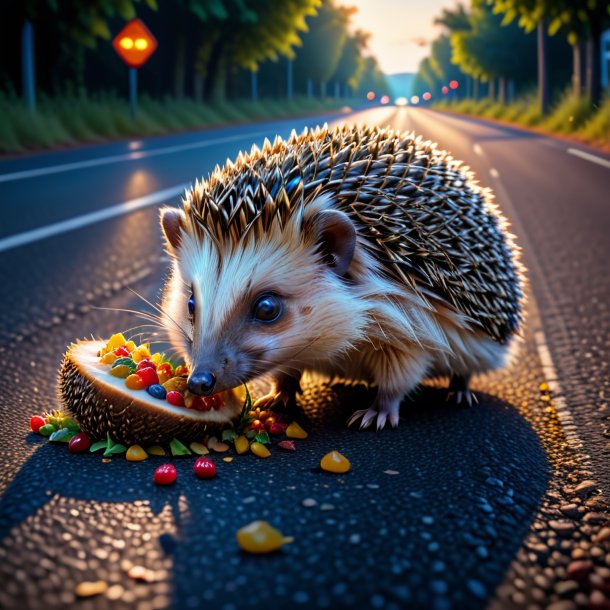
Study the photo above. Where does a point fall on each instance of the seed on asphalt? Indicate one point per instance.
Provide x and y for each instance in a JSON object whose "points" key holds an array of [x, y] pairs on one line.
{"points": [[391, 472], [309, 502], [326, 506], [90, 588]]}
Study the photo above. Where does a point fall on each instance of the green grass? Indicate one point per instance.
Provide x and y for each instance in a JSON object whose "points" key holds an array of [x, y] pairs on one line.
{"points": [[71, 119], [570, 116]]}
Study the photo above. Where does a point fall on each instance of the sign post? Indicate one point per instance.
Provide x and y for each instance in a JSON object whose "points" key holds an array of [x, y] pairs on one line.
{"points": [[134, 44]]}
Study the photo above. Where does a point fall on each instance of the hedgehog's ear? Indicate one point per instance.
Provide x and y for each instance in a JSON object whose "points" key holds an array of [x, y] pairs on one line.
{"points": [[172, 223], [336, 239]]}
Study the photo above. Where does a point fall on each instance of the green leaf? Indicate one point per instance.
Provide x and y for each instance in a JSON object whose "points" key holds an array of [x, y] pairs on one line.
{"points": [[229, 435], [71, 424], [262, 437], [177, 448], [250, 434], [115, 449], [63, 435], [97, 446]]}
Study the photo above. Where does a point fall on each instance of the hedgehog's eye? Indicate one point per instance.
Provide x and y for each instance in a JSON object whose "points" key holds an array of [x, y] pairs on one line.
{"points": [[267, 308], [191, 305]]}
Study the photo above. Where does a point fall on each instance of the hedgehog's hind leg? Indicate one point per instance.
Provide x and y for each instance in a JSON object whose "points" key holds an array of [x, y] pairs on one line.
{"points": [[459, 392]]}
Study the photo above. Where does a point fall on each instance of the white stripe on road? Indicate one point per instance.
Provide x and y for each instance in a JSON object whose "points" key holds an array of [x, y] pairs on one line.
{"points": [[494, 172], [589, 157], [132, 156], [119, 209], [478, 150]]}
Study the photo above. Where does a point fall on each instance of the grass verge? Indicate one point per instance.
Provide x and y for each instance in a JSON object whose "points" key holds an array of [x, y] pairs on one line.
{"points": [[572, 116], [79, 119]]}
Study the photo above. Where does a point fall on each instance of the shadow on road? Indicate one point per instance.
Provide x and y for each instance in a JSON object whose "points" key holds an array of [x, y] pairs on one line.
{"points": [[431, 514]]}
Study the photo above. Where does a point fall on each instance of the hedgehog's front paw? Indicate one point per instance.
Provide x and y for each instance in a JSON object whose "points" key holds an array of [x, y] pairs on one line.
{"points": [[459, 392], [383, 412], [283, 393]]}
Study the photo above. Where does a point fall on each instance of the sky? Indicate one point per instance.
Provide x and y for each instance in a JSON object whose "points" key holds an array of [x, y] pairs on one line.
{"points": [[401, 30]]}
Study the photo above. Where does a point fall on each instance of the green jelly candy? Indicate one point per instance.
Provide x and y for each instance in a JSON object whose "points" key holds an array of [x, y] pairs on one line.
{"points": [[47, 429], [125, 361]]}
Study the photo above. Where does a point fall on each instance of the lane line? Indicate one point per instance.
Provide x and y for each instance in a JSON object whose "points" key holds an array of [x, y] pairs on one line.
{"points": [[494, 173], [132, 156], [589, 157], [478, 150], [77, 222]]}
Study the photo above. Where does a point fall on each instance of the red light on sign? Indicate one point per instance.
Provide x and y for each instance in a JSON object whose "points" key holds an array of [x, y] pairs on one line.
{"points": [[453, 84], [370, 95], [445, 90], [135, 43], [427, 95], [385, 99]]}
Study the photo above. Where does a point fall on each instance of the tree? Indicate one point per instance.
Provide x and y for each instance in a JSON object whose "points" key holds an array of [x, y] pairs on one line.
{"points": [[572, 17], [352, 62], [373, 79]]}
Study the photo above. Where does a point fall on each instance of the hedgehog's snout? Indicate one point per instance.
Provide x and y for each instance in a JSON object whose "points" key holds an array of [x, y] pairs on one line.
{"points": [[202, 382]]}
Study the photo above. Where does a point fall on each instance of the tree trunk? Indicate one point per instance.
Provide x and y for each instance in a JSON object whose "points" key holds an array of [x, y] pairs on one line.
{"points": [[475, 88], [219, 92], [543, 68], [323, 89], [502, 90], [491, 89], [213, 69], [576, 70], [180, 65], [27, 66], [198, 86], [594, 85]]}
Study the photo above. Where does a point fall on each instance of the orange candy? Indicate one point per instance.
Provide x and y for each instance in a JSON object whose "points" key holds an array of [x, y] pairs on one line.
{"points": [[134, 382]]}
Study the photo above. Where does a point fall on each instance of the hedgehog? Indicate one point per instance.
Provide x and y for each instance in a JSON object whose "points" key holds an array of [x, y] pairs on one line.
{"points": [[355, 252]]}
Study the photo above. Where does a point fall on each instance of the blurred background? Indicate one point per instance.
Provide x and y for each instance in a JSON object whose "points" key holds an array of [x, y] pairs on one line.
{"points": [[542, 63]]}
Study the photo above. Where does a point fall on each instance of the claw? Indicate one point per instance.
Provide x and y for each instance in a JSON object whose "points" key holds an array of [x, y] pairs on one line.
{"points": [[381, 419], [459, 393], [394, 420], [356, 416], [269, 401]]}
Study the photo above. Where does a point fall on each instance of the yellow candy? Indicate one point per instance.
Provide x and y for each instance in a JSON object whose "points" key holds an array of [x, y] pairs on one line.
{"points": [[260, 537], [544, 387], [156, 450], [109, 358], [141, 353], [199, 448], [176, 383], [295, 431], [259, 450], [135, 453], [335, 462], [130, 345], [242, 445], [227, 459], [122, 371], [156, 358], [115, 341]]}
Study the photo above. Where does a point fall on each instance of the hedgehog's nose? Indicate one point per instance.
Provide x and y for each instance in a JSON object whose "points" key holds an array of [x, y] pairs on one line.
{"points": [[202, 382]]}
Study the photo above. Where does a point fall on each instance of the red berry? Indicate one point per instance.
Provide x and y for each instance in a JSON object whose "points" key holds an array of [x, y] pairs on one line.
{"points": [[143, 364], [121, 351], [257, 424], [148, 376], [165, 474], [37, 422], [200, 403], [204, 468], [79, 442], [175, 398], [277, 429]]}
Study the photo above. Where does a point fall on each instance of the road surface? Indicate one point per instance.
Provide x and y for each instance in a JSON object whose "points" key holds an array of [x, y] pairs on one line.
{"points": [[499, 506]]}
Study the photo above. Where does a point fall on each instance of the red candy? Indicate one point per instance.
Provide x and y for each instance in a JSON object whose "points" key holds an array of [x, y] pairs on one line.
{"points": [[175, 398], [79, 442], [165, 474], [204, 468], [148, 376], [200, 403], [36, 423], [216, 401], [277, 429], [121, 351], [143, 364], [182, 370]]}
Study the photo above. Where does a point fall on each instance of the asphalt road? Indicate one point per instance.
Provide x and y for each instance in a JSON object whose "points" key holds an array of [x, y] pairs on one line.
{"points": [[500, 506]]}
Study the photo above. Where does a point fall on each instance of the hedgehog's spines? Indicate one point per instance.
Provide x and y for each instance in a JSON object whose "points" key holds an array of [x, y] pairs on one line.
{"points": [[417, 209]]}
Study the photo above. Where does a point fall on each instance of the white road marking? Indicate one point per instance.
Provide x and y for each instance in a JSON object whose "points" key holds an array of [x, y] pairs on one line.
{"points": [[559, 402], [132, 156], [494, 173], [77, 222], [478, 150], [589, 157]]}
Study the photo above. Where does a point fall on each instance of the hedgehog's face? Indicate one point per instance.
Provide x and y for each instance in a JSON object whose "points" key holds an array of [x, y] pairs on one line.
{"points": [[279, 303]]}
